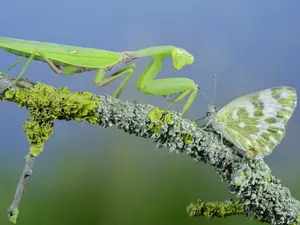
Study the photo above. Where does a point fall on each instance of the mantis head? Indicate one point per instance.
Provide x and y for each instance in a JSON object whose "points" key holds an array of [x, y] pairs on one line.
{"points": [[181, 58]]}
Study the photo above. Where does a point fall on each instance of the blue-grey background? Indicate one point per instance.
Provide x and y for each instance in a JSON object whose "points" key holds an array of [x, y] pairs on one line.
{"points": [[91, 175]]}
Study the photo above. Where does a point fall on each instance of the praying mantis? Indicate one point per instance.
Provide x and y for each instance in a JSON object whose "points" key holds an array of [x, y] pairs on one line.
{"points": [[69, 60]]}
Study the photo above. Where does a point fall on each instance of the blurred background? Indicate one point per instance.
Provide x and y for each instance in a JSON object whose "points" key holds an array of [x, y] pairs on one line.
{"points": [[91, 175]]}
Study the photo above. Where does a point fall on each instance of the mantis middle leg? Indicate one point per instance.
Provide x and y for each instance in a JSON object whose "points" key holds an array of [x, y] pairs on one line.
{"points": [[100, 82]]}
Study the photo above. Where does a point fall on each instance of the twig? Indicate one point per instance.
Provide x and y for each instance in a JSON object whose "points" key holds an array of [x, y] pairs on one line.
{"points": [[27, 172]]}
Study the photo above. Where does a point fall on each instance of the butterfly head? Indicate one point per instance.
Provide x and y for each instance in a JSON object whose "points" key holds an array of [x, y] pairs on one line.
{"points": [[212, 110]]}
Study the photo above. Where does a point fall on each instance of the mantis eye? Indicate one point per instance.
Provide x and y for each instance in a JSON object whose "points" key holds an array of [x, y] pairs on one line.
{"points": [[181, 58]]}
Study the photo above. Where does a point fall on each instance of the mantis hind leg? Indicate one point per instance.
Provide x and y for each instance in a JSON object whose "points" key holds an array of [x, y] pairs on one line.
{"points": [[54, 67], [13, 65], [48, 61], [24, 68]]}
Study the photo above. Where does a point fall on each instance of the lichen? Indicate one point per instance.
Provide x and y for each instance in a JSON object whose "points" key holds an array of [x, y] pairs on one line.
{"points": [[158, 117], [216, 209], [187, 139], [46, 104], [13, 217]]}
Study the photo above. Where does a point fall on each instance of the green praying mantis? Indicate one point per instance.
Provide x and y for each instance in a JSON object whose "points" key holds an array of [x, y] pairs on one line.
{"points": [[69, 60]]}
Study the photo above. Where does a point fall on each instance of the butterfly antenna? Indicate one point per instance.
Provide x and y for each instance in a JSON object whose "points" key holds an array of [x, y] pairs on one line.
{"points": [[203, 117], [202, 93], [215, 84]]}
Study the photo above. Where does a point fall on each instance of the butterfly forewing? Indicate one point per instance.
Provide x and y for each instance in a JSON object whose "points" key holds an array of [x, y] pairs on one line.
{"points": [[257, 121]]}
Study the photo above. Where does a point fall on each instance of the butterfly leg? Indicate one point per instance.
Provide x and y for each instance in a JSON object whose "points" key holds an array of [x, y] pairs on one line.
{"points": [[220, 133], [209, 122], [221, 138]]}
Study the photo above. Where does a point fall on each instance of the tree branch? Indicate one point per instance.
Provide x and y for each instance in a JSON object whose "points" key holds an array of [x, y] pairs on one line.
{"points": [[263, 196], [13, 210]]}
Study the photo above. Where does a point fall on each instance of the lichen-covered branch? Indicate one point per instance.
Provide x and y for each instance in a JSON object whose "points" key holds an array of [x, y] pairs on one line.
{"points": [[262, 195]]}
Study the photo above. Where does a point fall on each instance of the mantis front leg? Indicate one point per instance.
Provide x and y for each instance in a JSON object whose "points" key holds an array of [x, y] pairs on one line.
{"points": [[165, 87]]}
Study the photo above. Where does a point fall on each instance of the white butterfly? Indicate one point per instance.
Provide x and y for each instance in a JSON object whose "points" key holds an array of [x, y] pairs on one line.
{"points": [[255, 122]]}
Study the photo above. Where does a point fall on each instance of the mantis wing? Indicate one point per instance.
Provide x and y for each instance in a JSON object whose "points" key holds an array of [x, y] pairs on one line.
{"points": [[61, 54]]}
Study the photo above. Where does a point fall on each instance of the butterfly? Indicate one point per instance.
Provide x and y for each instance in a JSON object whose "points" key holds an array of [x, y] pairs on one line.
{"points": [[255, 122]]}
